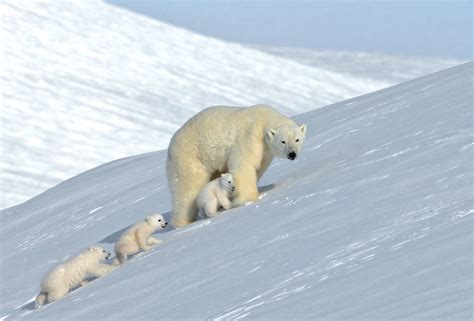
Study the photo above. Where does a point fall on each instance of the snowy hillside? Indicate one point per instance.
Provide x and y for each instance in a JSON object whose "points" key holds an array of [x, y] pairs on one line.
{"points": [[374, 221], [375, 66], [85, 82]]}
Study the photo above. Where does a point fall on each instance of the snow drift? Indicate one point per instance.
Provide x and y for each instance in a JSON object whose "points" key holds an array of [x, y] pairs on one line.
{"points": [[374, 221]]}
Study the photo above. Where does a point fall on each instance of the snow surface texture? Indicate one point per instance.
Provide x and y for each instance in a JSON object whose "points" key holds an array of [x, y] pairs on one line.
{"points": [[374, 221], [84, 82], [375, 66]]}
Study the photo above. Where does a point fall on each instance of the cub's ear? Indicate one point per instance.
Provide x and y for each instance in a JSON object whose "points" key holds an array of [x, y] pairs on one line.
{"points": [[303, 129], [270, 134], [149, 220], [222, 175]]}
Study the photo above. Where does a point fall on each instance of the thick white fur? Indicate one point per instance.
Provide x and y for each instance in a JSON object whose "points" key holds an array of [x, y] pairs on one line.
{"points": [[217, 140], [214, 194], [72, 273], [138, 237]]}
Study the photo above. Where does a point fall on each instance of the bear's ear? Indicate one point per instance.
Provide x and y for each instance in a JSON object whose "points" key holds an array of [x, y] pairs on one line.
{"points": [[270, 133], [91, 249], [303, 129], [149, 220], [222, 175]]}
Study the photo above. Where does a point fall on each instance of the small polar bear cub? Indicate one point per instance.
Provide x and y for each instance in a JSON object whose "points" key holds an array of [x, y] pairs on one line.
{"points": [[72, 273], [214, 194], [138, 237]]}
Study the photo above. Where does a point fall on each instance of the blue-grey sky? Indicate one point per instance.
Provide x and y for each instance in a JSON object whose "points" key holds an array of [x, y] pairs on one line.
{"points": [[437, 28]]}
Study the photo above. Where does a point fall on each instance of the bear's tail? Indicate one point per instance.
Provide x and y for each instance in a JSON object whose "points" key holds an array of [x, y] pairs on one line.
{"points": [[40, 299]]}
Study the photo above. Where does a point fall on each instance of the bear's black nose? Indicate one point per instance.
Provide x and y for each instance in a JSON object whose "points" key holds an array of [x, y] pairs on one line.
{"points": [[292, 155]]}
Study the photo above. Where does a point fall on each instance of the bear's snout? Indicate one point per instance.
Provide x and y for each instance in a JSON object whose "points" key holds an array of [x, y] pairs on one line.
{"points": [[292, 155], [107, 256], [233, 189]]}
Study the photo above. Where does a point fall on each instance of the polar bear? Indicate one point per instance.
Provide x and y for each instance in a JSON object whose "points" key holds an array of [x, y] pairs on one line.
{"points": [[138, 237], [214, 194], [72, 273], [223, 139]]}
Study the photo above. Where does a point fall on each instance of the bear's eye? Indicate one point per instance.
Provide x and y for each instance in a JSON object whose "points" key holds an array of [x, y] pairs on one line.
{"points": [[230, 182], [159, 220], [297, 140], [283, 142], [103, 251]]}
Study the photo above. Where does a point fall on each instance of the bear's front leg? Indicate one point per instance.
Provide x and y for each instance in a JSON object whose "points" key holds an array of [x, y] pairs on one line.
{"points": [[83, 282], [226, 203], [143, 235], [223, 200], [102, 269], [245, 179], [266, 161], [153, 241]]}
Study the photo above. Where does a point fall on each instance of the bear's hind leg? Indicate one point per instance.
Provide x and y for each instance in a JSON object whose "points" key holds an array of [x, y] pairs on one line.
{"points": [[187, 188], [120, 258], [56, 294], [123, 252], [83, 282], [210, 208], [40, 299]]}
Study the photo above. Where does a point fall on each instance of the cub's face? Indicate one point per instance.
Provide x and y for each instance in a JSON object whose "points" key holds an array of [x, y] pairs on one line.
{"points": [[227, 182], [157, 221], [286, 141], [99, 253]]}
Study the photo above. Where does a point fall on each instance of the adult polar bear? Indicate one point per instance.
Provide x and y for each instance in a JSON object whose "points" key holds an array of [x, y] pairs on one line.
{"points": [[223, 139]]}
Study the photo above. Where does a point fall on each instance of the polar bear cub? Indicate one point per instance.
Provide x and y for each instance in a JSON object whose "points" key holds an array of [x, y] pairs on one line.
{"points": [[72, 273], [138, 237], [214, 194]]}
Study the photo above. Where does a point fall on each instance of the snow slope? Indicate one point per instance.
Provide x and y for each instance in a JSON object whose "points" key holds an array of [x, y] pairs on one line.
{"points": [[84, 82], [374, 221], [389, 68]]}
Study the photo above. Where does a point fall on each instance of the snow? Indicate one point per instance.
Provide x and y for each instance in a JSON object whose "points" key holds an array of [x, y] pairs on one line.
{"points": [[373, 221], [389, 68], [85, 82]]}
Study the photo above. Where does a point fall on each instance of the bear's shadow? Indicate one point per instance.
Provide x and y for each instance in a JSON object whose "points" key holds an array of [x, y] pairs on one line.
{"points": [[29, 306], [112, 238], [266, 188]]}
